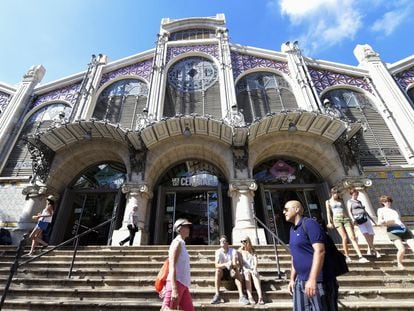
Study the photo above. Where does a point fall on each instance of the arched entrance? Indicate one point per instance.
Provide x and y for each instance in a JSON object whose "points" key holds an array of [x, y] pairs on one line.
{"points": [[92, 198], [195, 190], [281, 180]]}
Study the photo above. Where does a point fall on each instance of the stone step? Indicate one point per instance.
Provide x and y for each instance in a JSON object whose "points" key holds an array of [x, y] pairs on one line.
{"points": [[268, 283], [145, 305]]}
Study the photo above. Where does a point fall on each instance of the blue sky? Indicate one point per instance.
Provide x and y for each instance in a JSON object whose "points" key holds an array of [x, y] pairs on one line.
{"points": [[63, 34]]}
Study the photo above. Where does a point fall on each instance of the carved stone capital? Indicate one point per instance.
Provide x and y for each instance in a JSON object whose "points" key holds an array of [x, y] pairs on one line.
{"points": [[136, 189], [242, 185], [360, 183], [34, 74], [365, 53], [34, 190]]}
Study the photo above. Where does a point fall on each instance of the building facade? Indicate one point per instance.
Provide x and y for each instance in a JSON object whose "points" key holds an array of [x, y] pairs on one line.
{"points": [[203, 128]]}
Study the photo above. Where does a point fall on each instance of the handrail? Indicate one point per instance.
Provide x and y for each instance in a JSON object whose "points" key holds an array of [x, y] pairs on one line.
{"points": [[20, 248], [275, 237], [13, 269], [66, 242]]}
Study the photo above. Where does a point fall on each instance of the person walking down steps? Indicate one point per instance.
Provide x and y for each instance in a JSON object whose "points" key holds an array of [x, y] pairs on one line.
{"points": [[132, 226]]}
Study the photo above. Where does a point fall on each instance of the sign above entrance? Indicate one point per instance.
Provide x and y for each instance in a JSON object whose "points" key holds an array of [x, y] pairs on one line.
{"points": [[195, 181]]}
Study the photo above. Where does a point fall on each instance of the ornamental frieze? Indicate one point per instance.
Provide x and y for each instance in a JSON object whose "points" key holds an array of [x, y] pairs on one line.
{"points": [[210, 49], [142, 69], [4, 101], [243, 62], [323, 79], [68, 94], [405, 78]]}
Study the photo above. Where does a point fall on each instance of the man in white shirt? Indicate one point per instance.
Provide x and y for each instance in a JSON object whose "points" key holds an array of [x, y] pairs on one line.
{"points": [[228, 266]]}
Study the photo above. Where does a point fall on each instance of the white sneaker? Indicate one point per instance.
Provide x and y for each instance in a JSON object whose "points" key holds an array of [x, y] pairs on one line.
{"points": [[377, 254], [348, 259], [363, 260]]}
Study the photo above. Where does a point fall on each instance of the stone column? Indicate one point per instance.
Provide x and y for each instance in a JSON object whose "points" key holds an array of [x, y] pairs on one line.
{"points": [[242, 194], [302, 84], [137, 195], [10, 120]]}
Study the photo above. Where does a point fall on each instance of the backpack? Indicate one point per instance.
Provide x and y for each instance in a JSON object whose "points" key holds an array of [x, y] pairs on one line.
{"points": [[161, 278], [335, 262]]}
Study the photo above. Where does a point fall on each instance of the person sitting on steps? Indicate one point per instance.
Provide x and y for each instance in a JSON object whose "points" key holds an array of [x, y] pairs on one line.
{"points": [[228, 265]]}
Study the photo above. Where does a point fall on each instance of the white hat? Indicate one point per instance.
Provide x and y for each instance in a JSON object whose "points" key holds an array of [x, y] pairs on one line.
{"points": [[51, 198], [179, 223]]}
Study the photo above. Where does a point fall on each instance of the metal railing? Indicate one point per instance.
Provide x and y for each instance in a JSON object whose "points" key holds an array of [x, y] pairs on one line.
{"points": [[275, 238], [20, 249]]}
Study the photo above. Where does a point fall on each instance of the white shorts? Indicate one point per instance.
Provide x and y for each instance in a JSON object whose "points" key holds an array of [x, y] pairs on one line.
{"points": [[366, 227]]}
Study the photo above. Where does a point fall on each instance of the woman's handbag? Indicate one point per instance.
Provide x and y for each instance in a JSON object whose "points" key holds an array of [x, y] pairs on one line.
{"points": [[361, 218], [397, 230]]}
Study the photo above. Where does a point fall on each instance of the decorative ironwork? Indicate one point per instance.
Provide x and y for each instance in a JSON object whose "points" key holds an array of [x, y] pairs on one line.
{"points": [[193, 74], [211, 49], [143, 120], [235, 118], [42, 157], [405, 78], [324, 78], [68, 94], [242, 62], [142, 69]]}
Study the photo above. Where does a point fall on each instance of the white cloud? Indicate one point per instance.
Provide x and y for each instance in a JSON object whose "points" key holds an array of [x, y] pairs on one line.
{"points": [[390, 21], [326, 22]]}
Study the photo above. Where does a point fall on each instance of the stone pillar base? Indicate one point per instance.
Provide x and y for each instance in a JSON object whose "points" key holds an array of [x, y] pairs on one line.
{"points": [[240, 233], [121, 234]]}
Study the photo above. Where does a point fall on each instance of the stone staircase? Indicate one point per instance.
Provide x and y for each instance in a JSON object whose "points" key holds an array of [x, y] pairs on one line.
{"points": [[121, 278]]}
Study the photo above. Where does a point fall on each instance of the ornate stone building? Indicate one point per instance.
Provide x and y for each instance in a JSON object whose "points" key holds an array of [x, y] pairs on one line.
{"points": [[207, 129]]}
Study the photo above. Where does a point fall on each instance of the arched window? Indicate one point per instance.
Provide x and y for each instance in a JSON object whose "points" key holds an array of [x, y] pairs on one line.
{"points": [[121, 102], [378, 146], [192, 87], [19, 162], [260, 93], [192, 34]]}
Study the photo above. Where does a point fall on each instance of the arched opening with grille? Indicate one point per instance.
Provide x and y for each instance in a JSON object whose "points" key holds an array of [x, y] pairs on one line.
{"points": [[260, 93], [192, 87], [377, 146], [122, 102]]}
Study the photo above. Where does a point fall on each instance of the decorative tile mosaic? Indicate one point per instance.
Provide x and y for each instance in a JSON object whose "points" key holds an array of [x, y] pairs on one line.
{"points": [[323, 79], [4, 101], [142, 69], [405, 77], [399, 185], [243, 62], [68, 93], [210, 49]]}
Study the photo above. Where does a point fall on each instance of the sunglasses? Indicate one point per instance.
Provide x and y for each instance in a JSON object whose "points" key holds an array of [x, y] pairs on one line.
{"points": [[243, 241]]}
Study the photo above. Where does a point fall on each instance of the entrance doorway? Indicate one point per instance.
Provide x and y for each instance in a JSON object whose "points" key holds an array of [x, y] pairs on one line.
{"points": [[91, 199], [192, 190], [282, 180], [199, 207], [274, 199]]}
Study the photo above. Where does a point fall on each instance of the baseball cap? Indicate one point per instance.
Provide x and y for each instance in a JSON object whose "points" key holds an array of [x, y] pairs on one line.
{"points": [[179, 223]]}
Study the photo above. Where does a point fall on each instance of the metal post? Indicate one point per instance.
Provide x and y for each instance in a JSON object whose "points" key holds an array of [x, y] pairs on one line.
{"points": [[255, 225], [13, 269]]}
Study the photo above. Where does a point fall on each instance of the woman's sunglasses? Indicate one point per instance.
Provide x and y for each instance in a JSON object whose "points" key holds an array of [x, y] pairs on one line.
{"points": [[243, 241]]}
